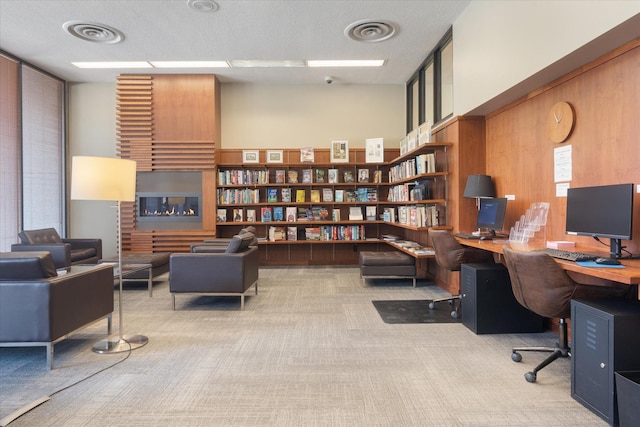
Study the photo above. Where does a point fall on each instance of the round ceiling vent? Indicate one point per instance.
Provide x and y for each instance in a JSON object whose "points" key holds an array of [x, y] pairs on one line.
{"points": [[370, 31], [203, 5], [91, 32]]}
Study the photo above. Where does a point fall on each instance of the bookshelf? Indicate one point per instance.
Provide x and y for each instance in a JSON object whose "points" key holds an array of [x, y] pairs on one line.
{"points": [[321, 212]]}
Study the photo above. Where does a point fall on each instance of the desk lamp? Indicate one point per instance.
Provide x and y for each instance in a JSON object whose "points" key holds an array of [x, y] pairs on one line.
{"points": [[479, 186], [111, 179]]}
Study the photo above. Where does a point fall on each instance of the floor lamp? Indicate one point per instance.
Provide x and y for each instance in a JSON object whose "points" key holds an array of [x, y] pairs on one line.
{"points": [[111, 179]]}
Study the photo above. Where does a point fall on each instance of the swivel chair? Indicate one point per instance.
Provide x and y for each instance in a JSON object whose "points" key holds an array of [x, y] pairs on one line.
{"points": [[451, 255], [541, 285]]}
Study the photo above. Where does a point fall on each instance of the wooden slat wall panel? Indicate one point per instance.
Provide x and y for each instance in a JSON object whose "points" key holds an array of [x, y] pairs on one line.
{"points": [[134, 119], [167, 241]]}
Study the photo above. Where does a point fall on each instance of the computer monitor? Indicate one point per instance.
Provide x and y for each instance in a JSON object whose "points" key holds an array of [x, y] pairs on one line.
{"points": [[602, 211], [491, 214]]}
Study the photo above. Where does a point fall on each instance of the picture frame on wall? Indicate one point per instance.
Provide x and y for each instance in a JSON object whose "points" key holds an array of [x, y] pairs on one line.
{"points": [[374, 150], [275, 156], [339, 151], [250, 156]]}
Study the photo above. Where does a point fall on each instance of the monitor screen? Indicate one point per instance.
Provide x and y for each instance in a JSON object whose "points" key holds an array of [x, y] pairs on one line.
{"points": [[491, 213], [603, 211]]}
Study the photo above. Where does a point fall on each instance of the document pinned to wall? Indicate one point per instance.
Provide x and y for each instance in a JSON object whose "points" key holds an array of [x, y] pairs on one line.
{"points": [[562, 164]]}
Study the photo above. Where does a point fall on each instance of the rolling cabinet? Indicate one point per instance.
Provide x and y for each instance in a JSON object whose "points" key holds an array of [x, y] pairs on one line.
{"points": [[604, 339]]}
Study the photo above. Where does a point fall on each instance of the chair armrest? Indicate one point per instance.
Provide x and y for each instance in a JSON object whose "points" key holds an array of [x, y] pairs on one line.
{"points": [[60, 252], [86, 243]]}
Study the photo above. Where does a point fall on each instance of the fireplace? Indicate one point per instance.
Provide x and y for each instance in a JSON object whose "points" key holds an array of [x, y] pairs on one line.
{"points": [[168, 207]]}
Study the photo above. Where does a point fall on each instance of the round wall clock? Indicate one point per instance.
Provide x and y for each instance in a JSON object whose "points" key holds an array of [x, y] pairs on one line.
{"points": [[560, 121]]}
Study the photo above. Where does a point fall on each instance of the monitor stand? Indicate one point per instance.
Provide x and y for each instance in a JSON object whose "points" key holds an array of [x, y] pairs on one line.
{"points": [[615, 248]]}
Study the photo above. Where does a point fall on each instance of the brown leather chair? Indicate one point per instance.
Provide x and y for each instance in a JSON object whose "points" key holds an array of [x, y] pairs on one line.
{"points": [[541, 285], [451, 255]]}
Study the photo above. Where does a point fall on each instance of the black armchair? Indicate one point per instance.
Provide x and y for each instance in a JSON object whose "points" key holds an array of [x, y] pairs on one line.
{"points": [[65, 252]]}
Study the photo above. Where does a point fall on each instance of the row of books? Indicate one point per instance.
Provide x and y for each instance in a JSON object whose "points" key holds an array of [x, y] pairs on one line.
{"points": [[408, 192], [228, 196], [331, 232], [415, 138], [423, 163], [294, 214], [331, 176], [243, 176], [414, 215]]}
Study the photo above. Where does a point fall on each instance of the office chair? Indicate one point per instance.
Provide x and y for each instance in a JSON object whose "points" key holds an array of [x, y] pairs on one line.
{"points": [[541, 285], [451, 255]]}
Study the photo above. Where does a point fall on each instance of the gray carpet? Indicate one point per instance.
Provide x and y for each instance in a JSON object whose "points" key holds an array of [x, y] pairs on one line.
{"points": [[309, 350]]}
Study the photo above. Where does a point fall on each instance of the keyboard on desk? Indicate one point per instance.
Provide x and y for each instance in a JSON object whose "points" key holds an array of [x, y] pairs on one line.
{"points": [[467, 236], [568, 255]]}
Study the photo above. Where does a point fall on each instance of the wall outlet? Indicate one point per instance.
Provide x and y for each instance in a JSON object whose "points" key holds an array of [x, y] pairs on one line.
{"points": [[638, 188], [513, 196]]}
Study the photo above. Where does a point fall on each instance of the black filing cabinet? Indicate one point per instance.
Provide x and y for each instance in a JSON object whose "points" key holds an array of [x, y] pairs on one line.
{"points": [[488, 304], [605, 337]]}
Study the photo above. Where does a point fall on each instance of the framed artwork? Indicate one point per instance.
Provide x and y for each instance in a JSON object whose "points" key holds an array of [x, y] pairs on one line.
{"points": [[339, 151], [274, 156], [374, 150], [250, 156]]}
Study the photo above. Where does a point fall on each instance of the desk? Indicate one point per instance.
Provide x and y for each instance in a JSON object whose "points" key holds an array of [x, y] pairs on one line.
{"points": [[629, 275]]}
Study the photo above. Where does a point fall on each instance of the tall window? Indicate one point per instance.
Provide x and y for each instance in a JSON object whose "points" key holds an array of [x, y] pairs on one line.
{"points": [[434, 77], [31, 150]]}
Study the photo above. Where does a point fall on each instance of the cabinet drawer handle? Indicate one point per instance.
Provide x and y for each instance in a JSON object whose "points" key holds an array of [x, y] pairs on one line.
{"points": [[602, 365]]}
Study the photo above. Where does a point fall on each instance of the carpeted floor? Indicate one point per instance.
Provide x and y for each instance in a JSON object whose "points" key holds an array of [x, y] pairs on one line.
{"points": [[309, 350]]}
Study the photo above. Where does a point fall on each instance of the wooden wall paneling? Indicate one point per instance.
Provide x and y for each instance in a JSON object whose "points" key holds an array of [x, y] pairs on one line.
{"points": [[208, 208], [606, 98]]}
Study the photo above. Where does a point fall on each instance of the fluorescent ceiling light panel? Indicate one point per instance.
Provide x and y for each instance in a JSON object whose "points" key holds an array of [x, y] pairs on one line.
{"points": [[250, 63], [190, 64], [346, 63], [130, 64]]}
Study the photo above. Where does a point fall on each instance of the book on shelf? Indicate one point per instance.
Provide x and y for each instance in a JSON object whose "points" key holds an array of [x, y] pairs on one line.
{"points": [[348, 176], [355, 213], [424, 133], [291, 213], [412, 140], [293, 176], [292, 233], [251, 215], [339, 196], [332, 175], [307, 155], [280, 176], [371, 213], [389, 214], [302, 214], [266, 214], [335, 215], [315, 196], [377, 176], [320, 175], [286, 195], [221, 215], [312, 233], [277, 234], [300, 196], [238, 215], [272, 195], [350, 196], [278, 213], [327, 195], [363, 175], [307, 177]]}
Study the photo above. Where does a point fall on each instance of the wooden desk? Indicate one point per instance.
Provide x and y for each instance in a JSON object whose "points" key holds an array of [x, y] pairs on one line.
{"points": [[629, 275]]}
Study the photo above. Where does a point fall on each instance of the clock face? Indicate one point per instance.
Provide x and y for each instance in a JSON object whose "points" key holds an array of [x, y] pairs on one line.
{"points": [[560, 121]]}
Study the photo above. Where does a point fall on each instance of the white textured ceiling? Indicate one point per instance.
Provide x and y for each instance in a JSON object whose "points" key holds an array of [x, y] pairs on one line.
{"points": [[168, 30]]}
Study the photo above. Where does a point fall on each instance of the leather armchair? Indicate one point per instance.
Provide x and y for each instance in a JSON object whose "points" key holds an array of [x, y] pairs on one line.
{"points": [[40, 308], [65, 252], [221, 272]]}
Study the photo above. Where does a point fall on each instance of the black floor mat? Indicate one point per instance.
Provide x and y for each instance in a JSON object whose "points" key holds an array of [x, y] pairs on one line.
{"points": [[414, 311]]}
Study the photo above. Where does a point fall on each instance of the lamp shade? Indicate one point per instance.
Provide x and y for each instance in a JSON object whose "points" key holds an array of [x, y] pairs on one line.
{"points": [[479, 186], [103, 178]]}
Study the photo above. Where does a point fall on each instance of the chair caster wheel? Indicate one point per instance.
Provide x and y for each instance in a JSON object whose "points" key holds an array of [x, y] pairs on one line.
{"points": [[516, 357], [530, 377], [432, 305], [451, 302], [454, 314]]}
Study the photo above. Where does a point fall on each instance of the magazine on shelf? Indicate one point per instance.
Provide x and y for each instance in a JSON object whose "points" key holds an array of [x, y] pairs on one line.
{"points": [[355, 213], [307, 155], [280, 176], [293, 176], [363, 175], [348, 176], [335, 215], [221, 215], [292, 233], [327, 195], [266, 214], [371, 213], [320, 175], [315, 196], [339, 196], [272, 195], [238, 215], [278, 213], [333, 176], [307, 176], [251, 215], [286, 195], [291, 213], [300, 196]]}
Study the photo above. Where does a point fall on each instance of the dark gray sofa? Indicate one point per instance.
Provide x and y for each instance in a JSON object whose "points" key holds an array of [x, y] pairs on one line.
{"points": [[225, 271], [40, 308], [65, 252]]}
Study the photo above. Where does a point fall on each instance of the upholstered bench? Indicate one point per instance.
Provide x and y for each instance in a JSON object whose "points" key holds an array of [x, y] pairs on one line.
{"points": [[387, 265], [158, 261]]}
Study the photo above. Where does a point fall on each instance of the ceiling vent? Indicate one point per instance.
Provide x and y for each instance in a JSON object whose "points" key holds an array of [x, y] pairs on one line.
{"points": [[370, 31], [206, 6], [91, 32]]}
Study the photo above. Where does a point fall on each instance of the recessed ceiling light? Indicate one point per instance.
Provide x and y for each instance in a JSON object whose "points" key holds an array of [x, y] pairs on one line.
{"points": [[190, 64], [92, 32], [346, 63], [370, 30], [128, 64], [251, 63], [206, 6]]}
